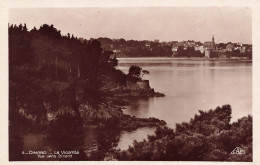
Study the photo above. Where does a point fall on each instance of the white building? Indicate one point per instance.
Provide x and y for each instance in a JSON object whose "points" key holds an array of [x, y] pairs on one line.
{"points": [[207, 53], [200, 48], [174, 48]]}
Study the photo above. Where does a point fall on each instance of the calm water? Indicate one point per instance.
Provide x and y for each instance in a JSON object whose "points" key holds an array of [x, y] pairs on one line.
{"points": [[192, 85], [189, 86]]}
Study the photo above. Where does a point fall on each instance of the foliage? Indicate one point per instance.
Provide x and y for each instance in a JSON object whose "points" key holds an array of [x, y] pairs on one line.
{"points": [[237, 53], [209, 136], [133, 48], [188, 52], [221, 46], [134, 71], [63, 70]]}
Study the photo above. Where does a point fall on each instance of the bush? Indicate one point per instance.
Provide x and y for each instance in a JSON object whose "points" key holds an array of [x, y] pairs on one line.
{"points": [[209, 136]]}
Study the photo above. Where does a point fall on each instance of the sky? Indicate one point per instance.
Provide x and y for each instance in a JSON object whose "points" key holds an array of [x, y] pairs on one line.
{"points": [[232, 24]]}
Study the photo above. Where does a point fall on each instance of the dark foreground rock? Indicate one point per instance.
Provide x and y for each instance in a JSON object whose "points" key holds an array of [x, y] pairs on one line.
{"points": [[129, 122], [113, 116], [140, 88], [103, 116]]}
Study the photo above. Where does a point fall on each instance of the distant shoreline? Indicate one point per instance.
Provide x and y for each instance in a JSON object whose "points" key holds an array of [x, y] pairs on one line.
{"points": [[191, 58]]}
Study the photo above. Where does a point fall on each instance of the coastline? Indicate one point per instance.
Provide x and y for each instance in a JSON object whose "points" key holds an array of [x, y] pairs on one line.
{"points": [[72, 93], [189, 58]]}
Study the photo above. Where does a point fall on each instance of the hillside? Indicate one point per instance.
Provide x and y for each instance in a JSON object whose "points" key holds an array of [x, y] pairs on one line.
{"points": [[56, 79]]}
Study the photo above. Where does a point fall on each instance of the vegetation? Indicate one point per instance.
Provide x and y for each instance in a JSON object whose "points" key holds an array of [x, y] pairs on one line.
{"points": [[47, 68], [236, 53], [133, 48], [209, 136], [134, 71], [61, 81], [63, 70], [189, 52]]}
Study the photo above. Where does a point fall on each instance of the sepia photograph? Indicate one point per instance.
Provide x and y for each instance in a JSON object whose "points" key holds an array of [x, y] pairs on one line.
{"points": [[130, 84]]}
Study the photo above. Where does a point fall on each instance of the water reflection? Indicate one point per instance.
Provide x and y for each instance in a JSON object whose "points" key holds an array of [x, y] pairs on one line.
{"points": [[92, 143], [90, 140], [127, 137], [191, 85], [138, 106]]}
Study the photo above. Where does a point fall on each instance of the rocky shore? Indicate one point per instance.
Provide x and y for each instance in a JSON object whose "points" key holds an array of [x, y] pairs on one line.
{"points": [[108, 114], [60, 85], [139, 88], [82, 88], [112, 116]]}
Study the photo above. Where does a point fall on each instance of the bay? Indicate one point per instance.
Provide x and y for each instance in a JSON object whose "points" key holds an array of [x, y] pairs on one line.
{"points": [[189, 85]]}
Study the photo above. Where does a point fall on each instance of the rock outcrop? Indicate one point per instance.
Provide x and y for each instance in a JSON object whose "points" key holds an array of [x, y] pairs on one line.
{"points": [[140, 88], [106, 115]]}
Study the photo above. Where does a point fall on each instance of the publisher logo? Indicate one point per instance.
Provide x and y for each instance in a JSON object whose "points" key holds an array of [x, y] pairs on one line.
{"points": [[238, 150]]}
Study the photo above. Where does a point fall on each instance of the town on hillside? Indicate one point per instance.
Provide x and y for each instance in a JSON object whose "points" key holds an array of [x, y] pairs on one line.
{"points": [[189, 48]]}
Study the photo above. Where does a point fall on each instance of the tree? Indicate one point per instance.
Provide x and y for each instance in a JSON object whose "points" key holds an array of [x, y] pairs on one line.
{"points": [[190, 52], [25, 29], [208, 136], [222, 46], [20, 27], [107, 54], [180, 51], [114, 61], [135, 71]]}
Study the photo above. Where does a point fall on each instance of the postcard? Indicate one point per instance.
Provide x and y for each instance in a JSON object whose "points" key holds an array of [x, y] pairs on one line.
{"points": [[131, 82]]}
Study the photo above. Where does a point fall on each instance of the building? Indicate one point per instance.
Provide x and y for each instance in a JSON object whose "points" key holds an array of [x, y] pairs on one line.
{"points": [[175, 47], [148, 44], [199, 48], [243, 49], [174, 50], [229, 47], [209, 46], [207, 53], [213, 43]]}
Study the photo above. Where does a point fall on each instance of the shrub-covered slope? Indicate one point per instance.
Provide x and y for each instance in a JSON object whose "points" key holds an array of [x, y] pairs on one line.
{"points": [[209, 136]]}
